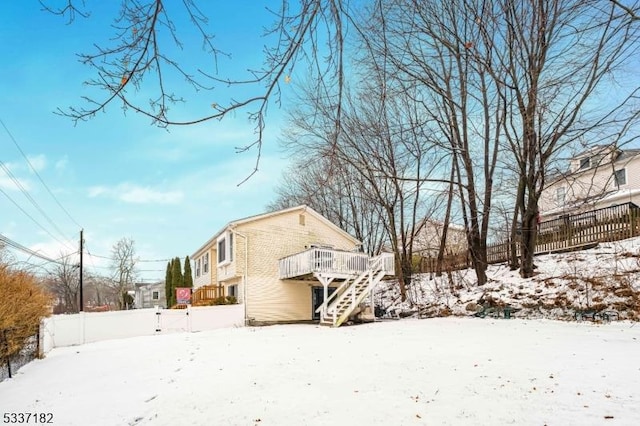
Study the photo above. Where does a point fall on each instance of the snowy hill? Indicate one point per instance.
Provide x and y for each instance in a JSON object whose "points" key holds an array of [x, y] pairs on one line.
{"points": [[606, 277]]}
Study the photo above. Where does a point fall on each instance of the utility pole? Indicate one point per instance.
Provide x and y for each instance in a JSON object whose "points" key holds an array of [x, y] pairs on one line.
{"points": [[81, 296]]}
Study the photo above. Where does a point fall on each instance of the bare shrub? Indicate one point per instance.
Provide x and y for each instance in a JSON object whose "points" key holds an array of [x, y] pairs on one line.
{"points": [[22, 305]]}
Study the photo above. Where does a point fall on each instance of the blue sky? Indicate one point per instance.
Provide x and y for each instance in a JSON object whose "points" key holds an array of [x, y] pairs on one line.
{"points": [[117, 175]]}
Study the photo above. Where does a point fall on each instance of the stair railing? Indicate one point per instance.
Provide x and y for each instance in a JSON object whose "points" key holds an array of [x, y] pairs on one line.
{"points": [[354, 296]]}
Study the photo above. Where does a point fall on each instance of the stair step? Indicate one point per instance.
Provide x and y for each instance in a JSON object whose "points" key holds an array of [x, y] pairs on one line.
{"points": [[342, 306]]}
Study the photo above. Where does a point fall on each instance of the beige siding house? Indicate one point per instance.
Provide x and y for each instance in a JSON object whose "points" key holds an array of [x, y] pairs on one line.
{"points": [[279, 264], [426, 242], [601, 177]]}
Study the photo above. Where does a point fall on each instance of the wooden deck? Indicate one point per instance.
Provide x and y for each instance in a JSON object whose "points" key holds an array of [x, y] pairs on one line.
{"points": [[334, 262], [203, 295]]}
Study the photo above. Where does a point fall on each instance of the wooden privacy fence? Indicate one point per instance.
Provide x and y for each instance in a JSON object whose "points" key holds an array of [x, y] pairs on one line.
{"points": [[564, 233]]}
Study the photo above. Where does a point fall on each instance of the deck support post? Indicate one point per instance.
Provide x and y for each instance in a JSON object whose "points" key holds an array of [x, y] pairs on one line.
{"points": [[325, 281]]}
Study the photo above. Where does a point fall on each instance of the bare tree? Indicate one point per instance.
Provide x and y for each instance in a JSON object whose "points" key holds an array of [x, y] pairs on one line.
{"points": [[143, 57], [558, 56], [5, 257], [632, 9], [434, 47], [336, 196], [381, 157], [99, 291], [64, 283], [124, 269]]}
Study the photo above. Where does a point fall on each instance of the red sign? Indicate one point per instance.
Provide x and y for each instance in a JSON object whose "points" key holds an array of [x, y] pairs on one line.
{"points": [[183, 295]]}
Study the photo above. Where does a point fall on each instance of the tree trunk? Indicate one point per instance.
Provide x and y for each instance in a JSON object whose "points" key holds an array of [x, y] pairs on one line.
{"points": [[529, 234], [514, 261], [445, 227]]}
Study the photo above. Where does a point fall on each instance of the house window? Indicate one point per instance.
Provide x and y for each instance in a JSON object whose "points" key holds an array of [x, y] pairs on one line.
{"points": [[225, 248], [205, 263], [620, 177], [585, 163], [155, 295], [221, 250], [198, 268], [301, 219], [232, 290], [561, 194]]}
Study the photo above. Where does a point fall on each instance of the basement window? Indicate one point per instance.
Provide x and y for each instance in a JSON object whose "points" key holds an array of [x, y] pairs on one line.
{"points": [[232, 290]]}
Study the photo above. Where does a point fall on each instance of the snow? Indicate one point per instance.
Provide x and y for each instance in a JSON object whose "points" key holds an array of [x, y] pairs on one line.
{"points": [[604, 278], [444, 371], [455, 370]]}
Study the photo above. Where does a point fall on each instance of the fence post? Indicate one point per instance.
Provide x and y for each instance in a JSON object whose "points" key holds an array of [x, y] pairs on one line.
{"points": [[40, 341], [5, 343]]}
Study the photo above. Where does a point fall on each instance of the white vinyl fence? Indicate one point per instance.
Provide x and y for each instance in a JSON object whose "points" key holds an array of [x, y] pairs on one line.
{"points": [[85, 327]]}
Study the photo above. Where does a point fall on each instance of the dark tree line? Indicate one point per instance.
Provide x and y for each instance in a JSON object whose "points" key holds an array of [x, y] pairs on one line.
{"points": [[175, 278]]}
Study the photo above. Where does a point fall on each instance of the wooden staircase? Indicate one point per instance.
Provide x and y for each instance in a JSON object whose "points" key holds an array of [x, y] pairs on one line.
{"points": [[347, 298]]}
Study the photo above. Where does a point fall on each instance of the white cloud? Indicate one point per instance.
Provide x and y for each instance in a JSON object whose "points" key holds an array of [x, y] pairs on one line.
{"points": [[61, 164], [7, 183], [38, 162], [130, 193], [140, 195], [55, 249], [95, 191]]}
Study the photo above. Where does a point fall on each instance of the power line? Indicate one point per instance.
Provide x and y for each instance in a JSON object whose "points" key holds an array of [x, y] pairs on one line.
{"points": [[37, 174], [9, 242], [31, 217], [22, 189], [137, 260]]}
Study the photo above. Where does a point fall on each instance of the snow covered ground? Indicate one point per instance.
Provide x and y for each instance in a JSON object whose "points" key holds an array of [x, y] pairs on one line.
{"points": [[603, 278], [442, 371], [457, 370]]}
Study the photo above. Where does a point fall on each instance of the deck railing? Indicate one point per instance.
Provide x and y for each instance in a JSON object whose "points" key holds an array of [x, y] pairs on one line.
{"points": [[321, 260], [564, 233], [388, 263], [207, 292]]}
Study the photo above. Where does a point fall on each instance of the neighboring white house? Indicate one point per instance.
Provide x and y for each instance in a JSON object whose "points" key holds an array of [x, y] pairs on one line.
{"points": [[600, 177], [150, 295]]}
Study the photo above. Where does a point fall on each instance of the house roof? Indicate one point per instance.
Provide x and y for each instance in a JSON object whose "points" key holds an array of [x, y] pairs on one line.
{"points": [[626, 154], [254, 218], [435, 222]]}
